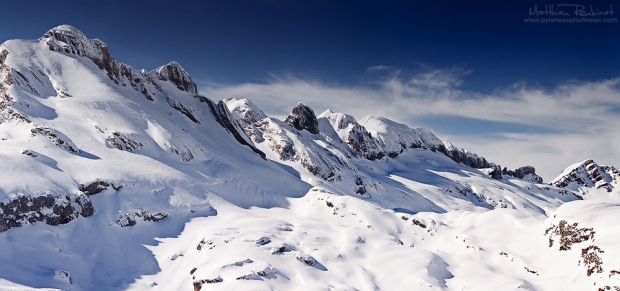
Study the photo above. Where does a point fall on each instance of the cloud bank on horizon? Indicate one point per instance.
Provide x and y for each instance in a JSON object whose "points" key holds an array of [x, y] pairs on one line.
{"points": [[549, 129]]}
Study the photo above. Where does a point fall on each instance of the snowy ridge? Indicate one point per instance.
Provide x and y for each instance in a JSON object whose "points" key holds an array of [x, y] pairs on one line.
{"points": [[344, 138], [353, 160], [124, 179], [588, 175]]}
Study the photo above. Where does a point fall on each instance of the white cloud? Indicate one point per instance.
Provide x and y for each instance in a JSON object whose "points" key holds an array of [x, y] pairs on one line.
{"points": [[583, 118]]}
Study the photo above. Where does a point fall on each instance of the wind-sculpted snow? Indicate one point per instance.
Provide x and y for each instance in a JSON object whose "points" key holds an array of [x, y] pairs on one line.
{"points": [[116, 178]]}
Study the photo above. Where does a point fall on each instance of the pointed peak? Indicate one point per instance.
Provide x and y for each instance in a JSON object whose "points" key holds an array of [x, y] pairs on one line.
{"points": [[587, 174], [68, 39], [173, 64], [174, 73], [325, 113], [575, 166], [303, 117]]}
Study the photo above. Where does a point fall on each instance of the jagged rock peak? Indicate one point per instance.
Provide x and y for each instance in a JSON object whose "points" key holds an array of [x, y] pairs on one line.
{"points": [[63, 31], [524, 173], [468, 158], [69, 39], [588, 174], [174, 73], [303, 117]]}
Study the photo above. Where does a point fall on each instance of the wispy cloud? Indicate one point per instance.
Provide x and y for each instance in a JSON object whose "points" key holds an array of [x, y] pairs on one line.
{"points": [[582, 118]]}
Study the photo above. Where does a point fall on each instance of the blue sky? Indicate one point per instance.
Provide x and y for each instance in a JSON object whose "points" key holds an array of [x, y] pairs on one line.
{"points": [[476, 73]]}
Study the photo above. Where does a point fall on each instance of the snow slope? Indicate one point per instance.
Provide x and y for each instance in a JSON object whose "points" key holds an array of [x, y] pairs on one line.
{"points": [[117, 178]]}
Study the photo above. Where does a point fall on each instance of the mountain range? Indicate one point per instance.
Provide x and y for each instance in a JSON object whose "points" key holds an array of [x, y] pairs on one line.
{"points": [[117, 178]]}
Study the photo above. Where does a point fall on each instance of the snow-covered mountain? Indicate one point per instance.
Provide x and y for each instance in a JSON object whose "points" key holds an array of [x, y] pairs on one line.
{"points": [[117, 178], [588, 178]]}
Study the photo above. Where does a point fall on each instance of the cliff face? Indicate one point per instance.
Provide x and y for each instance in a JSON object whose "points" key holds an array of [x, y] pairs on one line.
{"points": [[51, 209], [302, 117], [527, 173]]}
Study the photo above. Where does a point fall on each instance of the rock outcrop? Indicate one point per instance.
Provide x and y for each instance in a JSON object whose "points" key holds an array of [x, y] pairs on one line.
{"points": [[465, 157], [527, 173], [53, 209], [303, 118], [174, 73], [57, 138]]}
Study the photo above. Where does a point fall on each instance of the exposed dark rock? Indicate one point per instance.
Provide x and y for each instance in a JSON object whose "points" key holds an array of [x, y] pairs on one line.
{"points": [[30, 153], [3, 55], [63, 276], [68, 39], [263, 241], [361, 189], [7, 113], [223, 117], [284, 248], [522, 172], [198, 284], [181, 108], [308, 260], [122, 142], [51, 209], [97, 187], [174, 73], [302, 117], [418, 223], [362, 144], [496, 173], [462, 156], [131, 218], [591, 260], [569, 234], [186, 155], [589, 174], [56, 138]]}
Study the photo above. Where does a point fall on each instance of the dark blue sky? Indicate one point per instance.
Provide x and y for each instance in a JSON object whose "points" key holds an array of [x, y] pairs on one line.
{"points": [[335, 41]]}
